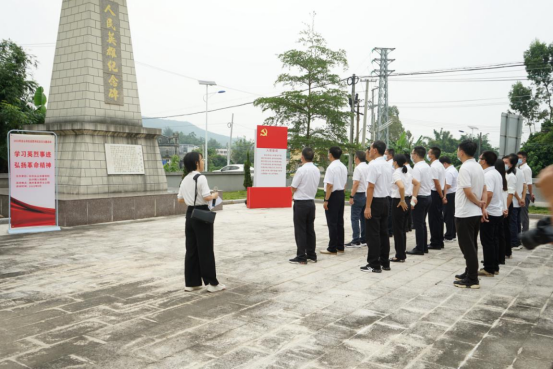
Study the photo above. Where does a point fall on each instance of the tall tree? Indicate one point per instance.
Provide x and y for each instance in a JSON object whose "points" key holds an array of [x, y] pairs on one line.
{"points": [[17, 94], [396, 128], [314, 107], [538, 60], [444, 140], [240, 150], [524, 102]]}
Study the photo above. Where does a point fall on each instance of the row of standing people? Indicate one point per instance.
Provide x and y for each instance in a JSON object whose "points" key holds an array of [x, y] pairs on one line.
{"points": [[385, 192]]}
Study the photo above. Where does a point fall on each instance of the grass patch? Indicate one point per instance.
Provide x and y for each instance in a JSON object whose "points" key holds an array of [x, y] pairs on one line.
{"points": [[234, 195], [538, 210]]}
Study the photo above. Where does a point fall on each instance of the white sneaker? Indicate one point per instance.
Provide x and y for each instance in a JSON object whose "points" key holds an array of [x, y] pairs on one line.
{"points": [[450, 241], [219, 287], [190, 289]]}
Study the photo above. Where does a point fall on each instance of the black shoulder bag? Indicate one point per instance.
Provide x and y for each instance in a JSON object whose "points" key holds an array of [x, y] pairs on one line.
{"points": [[206, 216]]}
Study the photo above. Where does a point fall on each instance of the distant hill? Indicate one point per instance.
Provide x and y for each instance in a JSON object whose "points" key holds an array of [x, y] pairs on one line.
{"points": [[187, 128]]}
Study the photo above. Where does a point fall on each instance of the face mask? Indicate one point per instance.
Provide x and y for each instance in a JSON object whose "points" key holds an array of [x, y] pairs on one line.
{"points": [[427, 157], [458, 158], [412, 159], [506, 167], [519, 161]]}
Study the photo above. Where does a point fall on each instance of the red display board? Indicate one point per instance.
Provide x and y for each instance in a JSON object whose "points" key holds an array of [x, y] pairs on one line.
{"points": [[269, 197]]}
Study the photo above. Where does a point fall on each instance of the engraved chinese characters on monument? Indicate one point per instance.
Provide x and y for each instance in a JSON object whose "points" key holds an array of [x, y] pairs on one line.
{"points": [[111, 52], [124, 159]]}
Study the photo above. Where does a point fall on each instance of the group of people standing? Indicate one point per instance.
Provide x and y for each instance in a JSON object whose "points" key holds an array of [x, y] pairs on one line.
{"points": [[389, 197]]}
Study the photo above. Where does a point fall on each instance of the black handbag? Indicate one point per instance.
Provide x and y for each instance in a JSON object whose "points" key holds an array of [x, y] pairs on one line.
{"points": [[206, 216]]}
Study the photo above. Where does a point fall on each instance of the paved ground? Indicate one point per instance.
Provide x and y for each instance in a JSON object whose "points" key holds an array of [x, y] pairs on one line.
{"points": [[111, 296]]}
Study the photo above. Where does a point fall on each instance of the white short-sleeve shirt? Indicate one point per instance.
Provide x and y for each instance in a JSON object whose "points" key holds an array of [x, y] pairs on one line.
{"points": [[422, 173], [409, 186], [405, 178], [521, 180], [527, 173], [511, 186], [438, 172], [187, 186], [471, 175], [306, 182], [360, 174], [494, 184], [337, 175], [451, 175], [379, 174]]}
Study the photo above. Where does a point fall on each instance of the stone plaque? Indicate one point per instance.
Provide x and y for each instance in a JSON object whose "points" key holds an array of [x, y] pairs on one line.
{"points": [[111, 52], [124, 159]]}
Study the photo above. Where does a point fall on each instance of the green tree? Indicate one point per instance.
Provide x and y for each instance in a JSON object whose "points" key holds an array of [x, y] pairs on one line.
{"points": [[396, 129], [314, 107], [240, 149], [173, 164], [524, 102], [444, 140], [248, 182], [538, 61], [17, 94], [213, 144]]}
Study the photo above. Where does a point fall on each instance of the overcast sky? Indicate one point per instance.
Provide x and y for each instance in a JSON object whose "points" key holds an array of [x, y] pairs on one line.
{"points": [[236, 43]]}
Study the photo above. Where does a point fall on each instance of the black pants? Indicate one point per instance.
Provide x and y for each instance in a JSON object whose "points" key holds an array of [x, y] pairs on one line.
{"points": [[467, 234], [507, 232], [304, 228], [390, 218], [501, 240], [400, 224], [335, 221], [449, 217], [489, 238], [419, 222], [409, 215], [378, 240], [199, 261], [436, 221]]}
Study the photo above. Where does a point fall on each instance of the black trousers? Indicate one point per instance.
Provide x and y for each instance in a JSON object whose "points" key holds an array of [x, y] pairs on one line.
{"points": [[501, 240], [489, 238], [335, 221], [467, 235], [419, 222], [378, 240], [449, 217], [390, 218], [409, 215], [507, 232], [304, 228], [400, 224], [436, 221], [199, 261]]}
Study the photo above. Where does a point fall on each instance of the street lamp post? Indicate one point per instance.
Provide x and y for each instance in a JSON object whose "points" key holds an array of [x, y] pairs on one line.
{"points": [[207, 84]]}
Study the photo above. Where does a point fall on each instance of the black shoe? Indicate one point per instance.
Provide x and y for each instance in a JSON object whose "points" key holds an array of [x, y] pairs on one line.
{"points": [[312, 260], [460, 277], [426, 251], [353, 244], [396, 260], [434, 248], [415, 251], [368, 269], [465, 283], [386, 268], [297, 260]]}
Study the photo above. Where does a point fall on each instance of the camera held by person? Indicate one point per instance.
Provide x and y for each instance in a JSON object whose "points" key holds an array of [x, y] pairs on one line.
{"points": [[542, 234]]}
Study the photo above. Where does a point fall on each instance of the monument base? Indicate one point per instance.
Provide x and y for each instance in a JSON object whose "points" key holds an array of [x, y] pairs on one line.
{"points": [[269, 197]]}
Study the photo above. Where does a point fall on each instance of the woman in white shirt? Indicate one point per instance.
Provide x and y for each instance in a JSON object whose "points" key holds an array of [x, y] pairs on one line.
{"points": [[504, 231], [402, 183], [514, 211], [199, 261]]}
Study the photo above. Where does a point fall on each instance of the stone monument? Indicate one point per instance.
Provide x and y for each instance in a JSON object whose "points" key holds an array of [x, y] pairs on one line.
{"points": [[109, 165]]}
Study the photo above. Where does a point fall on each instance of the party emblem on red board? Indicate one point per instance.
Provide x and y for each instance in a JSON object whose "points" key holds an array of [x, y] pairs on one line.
{"points": [[269, 137]]}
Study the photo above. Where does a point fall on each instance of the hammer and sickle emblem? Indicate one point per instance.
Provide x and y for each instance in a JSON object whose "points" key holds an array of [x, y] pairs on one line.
{"points": [[263, 132]]}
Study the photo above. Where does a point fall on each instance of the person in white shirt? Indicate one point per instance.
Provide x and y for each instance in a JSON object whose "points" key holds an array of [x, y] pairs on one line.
{"points": [[199, 260], [518, 203], [409, 194], [489, 231], [335, 180], [451, 175], [514, 212], [389, 154], [470, 199], [421, 200], [435, 213], [504, 233], [357, 200], [527, 171], [304, 188], [379, 178], [402, 180]]}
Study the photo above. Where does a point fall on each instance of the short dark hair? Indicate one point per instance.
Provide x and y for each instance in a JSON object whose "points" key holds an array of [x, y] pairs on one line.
{"points": [[380, 146], [191, 161], [335, 151], [391, 152], [361, 155], [445, 159], [420, 151], [524, 154], [490, 158], [436, 151], [469, 147], [308, 154]]}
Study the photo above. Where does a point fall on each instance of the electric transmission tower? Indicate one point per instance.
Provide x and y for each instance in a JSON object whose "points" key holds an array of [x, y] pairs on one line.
{"points": [[382, 73]]}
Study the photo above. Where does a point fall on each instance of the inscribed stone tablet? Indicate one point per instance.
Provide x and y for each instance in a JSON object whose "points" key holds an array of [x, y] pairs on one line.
{"points": [[124, 159]]}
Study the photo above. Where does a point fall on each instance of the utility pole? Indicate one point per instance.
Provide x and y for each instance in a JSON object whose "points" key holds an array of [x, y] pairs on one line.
{"points": [[373, 128], [364, 134], [383, 72], [358, 120], [230, 125], [352, 81]]}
